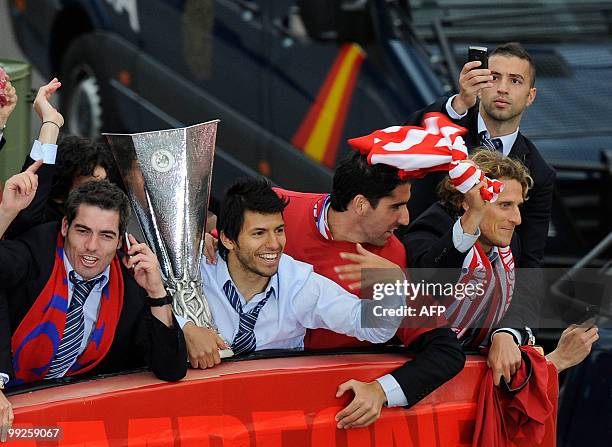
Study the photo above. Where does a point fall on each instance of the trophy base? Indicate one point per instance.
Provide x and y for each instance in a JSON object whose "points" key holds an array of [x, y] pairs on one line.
{"points": [[226, 353]]}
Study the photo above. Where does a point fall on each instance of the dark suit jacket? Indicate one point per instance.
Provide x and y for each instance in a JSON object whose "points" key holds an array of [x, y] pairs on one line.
{"points": [[429, 243], [140, 338], [437, 359], [536, 211]]}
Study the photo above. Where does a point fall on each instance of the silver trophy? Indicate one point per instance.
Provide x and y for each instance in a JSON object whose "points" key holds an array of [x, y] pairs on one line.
{"points": [[167, 175]]}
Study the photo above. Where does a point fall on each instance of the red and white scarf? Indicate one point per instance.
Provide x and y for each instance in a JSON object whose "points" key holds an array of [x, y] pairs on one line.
{"points": [[475, 316], [417, 151]]}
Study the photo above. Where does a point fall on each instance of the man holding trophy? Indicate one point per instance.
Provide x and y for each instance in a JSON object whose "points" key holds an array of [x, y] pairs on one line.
{"points": [[167, 174]]}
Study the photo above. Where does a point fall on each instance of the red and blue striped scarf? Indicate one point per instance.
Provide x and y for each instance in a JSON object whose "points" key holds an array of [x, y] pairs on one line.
{"points": [[37, 338]]}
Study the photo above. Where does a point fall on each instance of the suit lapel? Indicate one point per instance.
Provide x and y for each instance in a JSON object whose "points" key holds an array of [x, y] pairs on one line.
{"points": [[520, 149], [470, 122]]}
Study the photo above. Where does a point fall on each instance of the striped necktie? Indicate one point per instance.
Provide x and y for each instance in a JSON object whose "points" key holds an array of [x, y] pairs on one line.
{"points": [[70, 344], [244, 341], [494, 144]]}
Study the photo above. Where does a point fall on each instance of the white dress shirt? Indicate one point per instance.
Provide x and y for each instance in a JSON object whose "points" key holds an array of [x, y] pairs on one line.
{"points": [[463, 242], [507, 140], [301, 299]]}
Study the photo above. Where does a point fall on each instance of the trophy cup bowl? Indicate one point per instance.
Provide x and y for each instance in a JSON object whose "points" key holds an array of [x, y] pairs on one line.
{"points": [[167, 175]]}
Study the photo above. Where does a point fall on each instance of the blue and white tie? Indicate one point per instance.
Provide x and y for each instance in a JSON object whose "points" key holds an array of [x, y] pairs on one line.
{"points": [[244, 341], [494, 144], [70, 344]]}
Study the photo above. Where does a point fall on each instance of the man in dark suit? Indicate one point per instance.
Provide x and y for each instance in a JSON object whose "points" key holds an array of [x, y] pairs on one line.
{"points": [[72, 306], [461, 233], [490, 105]]}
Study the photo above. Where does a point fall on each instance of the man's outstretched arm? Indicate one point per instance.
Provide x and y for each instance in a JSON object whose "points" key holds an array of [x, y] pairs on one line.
{"points": [[438, 357], [45, 149]]}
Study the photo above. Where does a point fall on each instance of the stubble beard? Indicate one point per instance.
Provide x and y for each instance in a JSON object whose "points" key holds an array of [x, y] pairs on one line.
{"points": [[501, 116], [248, 264]]}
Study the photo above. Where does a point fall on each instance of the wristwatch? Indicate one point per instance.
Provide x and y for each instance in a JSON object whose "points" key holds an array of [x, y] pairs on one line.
{"points": [[158, 302], [1, 383]]}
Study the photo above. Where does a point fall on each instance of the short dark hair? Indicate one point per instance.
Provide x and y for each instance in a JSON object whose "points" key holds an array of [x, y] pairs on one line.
{"points": [[102, 194], [495, 166], [515, 49], [248, 193], [78, 156], [354, 176]]}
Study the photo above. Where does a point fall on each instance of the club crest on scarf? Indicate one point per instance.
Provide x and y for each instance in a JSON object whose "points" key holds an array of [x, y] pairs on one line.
{"points": [[416, 151]]}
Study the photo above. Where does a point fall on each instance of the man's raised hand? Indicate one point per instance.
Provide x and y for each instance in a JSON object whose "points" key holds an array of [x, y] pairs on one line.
{"points": [[471, 80], [43, 107], [19, 190]]}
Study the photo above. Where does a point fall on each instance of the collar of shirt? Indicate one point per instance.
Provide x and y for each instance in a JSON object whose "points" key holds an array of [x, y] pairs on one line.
{"points": [[493, 254], [223, 276], [97, 288], [507, 140], [320, 216]]}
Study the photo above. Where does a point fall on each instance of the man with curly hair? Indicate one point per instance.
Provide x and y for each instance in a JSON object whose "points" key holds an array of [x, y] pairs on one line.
{"points": [[463, 231]]}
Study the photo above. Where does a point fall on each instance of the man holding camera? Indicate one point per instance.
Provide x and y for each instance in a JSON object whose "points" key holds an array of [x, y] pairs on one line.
{"points": [[490, 104]]}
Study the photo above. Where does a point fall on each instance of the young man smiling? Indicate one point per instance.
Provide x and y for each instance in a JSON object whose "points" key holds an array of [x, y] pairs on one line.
{"points": [[278, 309], [339, 234], [263, 299], [68, 305]]}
